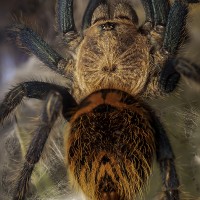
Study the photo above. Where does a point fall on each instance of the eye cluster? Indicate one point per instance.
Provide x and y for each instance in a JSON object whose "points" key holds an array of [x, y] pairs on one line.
{"points": [[108, 26]]}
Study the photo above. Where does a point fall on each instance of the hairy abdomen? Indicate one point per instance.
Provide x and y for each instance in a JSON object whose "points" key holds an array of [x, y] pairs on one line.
{"points": [[110, 148]]}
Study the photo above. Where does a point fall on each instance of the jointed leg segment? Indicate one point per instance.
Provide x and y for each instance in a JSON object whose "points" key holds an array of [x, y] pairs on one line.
{"points": [[156, 13], [51, 111], [26, 37], [54, 105], [35, 44], [65, 16], [34, 89], [173, 35], [175, 27], [160, 15], [165, 158]]}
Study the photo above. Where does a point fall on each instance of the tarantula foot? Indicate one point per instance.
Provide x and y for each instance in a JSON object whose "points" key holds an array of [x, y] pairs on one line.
{"points": [[169, 77]]}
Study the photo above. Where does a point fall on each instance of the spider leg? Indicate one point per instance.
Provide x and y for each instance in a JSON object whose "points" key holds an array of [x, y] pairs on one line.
{"points": [[165, 157], [156, 13], [50, 113], [179, 65], [38, 90], [148, 11], [26, 37], [92, 5], [160, 14], [65, 16], [169, 77], [175, 26], [161, 9], [174, 67]]}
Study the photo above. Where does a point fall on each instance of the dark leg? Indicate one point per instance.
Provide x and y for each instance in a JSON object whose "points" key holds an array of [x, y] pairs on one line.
{"points": [[171, 42], [93, 4], [175, 26], [169, 179], [165, 41], [173, 35], [148, 8], [156, 13], [160, 10], [169, 76], [160, 15], [165, 157], [51, 111], [65, 17], [38, 90], [35, 44]]}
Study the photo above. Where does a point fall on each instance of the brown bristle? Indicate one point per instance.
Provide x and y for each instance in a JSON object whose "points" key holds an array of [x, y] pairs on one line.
{"points": [[110, 146], [111, 97], [102, 64]]}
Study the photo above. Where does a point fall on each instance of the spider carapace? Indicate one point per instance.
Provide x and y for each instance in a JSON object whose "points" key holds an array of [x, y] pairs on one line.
{"points": [[112, 65], [113, 53]]}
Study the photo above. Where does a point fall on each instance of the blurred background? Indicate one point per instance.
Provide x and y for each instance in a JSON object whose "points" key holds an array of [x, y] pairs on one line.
{"points": [[179, 112]]}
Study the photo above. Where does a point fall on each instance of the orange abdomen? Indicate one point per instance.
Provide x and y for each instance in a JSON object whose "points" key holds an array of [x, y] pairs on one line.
{"points": [[110, 150]]}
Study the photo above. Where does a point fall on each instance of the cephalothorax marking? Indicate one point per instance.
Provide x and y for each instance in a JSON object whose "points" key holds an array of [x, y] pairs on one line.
{"points": [[112, 58]]}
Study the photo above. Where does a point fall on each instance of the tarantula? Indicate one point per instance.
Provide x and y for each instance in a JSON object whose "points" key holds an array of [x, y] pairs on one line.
{"points": [[113, 65]]}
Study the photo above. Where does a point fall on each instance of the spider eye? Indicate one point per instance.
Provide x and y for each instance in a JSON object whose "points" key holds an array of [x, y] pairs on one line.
{"points": [[108, 26]]}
